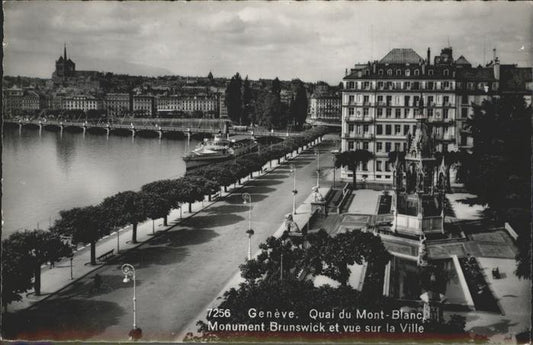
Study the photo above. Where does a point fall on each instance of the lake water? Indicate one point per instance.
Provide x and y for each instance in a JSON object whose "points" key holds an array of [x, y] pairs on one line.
{"points": [[48, 172]]}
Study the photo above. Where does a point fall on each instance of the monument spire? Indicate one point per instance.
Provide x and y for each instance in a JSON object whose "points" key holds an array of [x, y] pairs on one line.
{"points": [[65, 51]]}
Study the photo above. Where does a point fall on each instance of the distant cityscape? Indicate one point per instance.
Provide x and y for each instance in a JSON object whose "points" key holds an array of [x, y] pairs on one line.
{"points": [[71, 92]]}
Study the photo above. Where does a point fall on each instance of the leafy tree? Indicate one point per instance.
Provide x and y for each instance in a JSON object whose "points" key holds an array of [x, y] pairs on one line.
{"points": [[299, 105], [276, 87], [125, 208], [83, 225], [234, 99], [499, 169], [39, 247], [167, 189], [351, 159], [247, 102], [155, 206], [191, 191], [17, 272]]}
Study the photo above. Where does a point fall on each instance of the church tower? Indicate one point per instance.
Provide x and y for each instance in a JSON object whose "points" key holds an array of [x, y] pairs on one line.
{"points": [[418, 202], [64, 67]]}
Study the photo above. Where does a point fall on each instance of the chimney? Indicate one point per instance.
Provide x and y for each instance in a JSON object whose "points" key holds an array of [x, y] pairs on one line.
{"points": [[429, 56], [494, 54], [346, 72]]}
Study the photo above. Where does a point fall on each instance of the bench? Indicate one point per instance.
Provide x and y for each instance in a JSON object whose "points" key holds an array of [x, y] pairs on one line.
{"points": [[106, 255]]}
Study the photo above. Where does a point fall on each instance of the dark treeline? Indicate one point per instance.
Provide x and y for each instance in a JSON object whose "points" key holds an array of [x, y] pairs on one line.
{"points": [[499, 169], [25, 252], [264, 106]]}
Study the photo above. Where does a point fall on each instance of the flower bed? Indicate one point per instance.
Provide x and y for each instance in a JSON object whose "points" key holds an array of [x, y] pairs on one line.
{"points": [[479, 289]]}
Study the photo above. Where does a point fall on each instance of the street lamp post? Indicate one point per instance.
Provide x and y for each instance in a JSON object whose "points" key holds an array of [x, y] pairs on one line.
{"points": [[294, 191], [317, 152], [334, 169], [129, 272], [247, 198]]}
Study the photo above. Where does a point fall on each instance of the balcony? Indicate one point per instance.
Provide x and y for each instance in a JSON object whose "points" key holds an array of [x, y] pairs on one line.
{"points": [[354, 118], [358, 135]]}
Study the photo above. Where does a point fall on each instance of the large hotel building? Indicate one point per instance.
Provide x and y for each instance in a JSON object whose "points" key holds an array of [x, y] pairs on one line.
{"points": [[382, 99]]}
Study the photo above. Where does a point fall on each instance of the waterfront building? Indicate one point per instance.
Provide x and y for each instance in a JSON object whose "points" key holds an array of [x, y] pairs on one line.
{"points": [[118, 104], [143, 106], [380, 103], [325, 105], [81, 102], [31, 101], [11, 101], [206, 104]]}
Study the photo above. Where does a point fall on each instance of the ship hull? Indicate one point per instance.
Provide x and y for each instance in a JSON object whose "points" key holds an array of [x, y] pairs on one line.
{"points": [[200, 161]]}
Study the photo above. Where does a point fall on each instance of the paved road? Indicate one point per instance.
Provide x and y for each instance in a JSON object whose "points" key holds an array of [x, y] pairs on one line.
{"points": [[178, 272]]}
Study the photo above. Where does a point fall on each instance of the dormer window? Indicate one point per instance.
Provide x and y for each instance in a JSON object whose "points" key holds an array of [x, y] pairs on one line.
{"points": [[446, 72], [398, 72], [430, 72], [416, 72], [380, 72], [407, 72], [389, 72]]}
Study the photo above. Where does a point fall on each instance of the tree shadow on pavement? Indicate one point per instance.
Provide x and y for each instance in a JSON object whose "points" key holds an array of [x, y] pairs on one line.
{"points": [[143, 257], [257, 189], [275, 176], [225, 209], [237, 198], [181, 238], [62, 319], [85, 288]]}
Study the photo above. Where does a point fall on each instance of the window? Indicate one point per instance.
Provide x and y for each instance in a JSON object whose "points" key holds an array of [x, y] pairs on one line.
{"points": [[464, 112], [407, 72], [405, 129], [446, 100], [416, 85], [398, 72], [389, 100], [365, 111], [378, 165], [387, 147], [430, 72], [388, 130], [445, 113], [365, 145], [380, 85], [406, 100], [379, 146], [380, 72], [365, 99], [380, 99], [380, 112], [387, 166], [404, 147], [446, 84], [388, 112], [416, 72], [350, 146], [430, 112], [396, 146], [446, 72], [398, 113], [430, 100], [351, 111], [379, 129], [365, 166], [407, 85], [389, 72], [397, 129], [350, 128], [365, 128], [351, 99]]}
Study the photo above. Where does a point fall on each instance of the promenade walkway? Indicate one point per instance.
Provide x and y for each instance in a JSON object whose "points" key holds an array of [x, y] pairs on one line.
{"points": [[178, 272]]}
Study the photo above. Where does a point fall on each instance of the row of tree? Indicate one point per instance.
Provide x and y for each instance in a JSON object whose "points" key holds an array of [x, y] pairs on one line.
{"points": [[25, 252], [247, 105]]}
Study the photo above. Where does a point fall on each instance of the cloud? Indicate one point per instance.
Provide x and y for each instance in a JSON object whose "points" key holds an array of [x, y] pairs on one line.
{"points": [[306, 40]]}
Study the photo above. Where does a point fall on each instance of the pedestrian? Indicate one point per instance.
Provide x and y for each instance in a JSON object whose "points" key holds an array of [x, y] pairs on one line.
{"points": [[97, 282]]}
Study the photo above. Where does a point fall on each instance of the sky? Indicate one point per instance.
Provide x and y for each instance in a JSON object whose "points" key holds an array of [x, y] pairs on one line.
{"points": [[307, 40]]}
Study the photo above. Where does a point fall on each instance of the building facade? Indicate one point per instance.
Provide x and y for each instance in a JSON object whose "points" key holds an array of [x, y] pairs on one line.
{"points": [[118, 104], [325, 107], [143, 106], [382, 99], [81, 102]]}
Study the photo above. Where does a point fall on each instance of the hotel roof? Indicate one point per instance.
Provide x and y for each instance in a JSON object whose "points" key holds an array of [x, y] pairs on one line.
{"points": [[401, 56]]}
